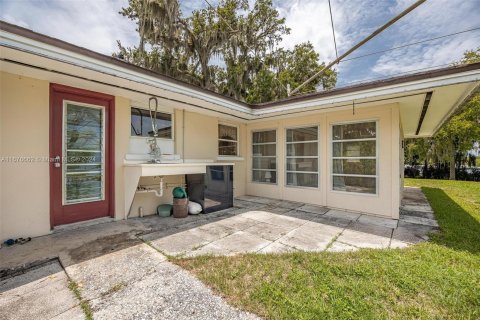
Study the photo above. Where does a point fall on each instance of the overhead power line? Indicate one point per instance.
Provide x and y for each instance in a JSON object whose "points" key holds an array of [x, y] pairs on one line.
{"points": [[366, 80], [361, 43], [333, 29], [410, 44]]}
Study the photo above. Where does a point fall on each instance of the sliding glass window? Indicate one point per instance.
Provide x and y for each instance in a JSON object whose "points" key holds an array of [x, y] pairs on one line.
{"points": [[264, 156], [354, 157], [302, 157]]}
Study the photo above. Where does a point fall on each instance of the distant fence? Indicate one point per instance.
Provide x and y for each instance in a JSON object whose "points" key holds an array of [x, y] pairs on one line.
{"points": [[442, 172]]}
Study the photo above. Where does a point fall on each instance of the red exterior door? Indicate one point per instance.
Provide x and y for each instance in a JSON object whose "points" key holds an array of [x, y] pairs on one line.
{"points": [[81, 149]]}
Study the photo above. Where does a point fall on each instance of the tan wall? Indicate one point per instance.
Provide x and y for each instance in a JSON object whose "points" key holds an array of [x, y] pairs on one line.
{"points": [[24, 128], [200, 133], [385, 203], [401, 159], [24, 132], [122, 136]]}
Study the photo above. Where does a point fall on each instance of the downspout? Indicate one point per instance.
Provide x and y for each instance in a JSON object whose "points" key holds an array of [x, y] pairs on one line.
{"points": [[183, 135]]}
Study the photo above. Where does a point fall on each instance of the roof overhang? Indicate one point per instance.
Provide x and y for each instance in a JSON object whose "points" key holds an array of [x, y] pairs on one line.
{"points": [[27, 53]]}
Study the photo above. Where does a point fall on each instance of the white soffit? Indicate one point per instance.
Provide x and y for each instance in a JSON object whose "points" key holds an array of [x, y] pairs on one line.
{"points": [[67, 63]]}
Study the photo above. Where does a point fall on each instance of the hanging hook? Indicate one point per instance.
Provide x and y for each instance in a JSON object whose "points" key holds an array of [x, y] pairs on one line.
{"points": [[153, 117]]}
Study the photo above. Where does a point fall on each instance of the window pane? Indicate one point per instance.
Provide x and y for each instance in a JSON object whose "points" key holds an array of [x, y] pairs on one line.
{"points": [[264, 163], [141, 124], [298, 164], [354, 184], [264, 150], [83, 128], [302, 134], [136, 122], [83, 186], [265, 136], [264, 176], [83, 141], [302, 149], [354, 149], [361, 130], [355, 166], [302, 179], [227, 148], [227, 132]]}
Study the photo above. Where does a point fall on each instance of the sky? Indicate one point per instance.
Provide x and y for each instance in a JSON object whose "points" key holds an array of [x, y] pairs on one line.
{"points": [[97, 25]]}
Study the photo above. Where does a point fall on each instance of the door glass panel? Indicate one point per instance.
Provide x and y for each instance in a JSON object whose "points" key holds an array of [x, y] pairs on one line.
{"points": [[83, 144]]}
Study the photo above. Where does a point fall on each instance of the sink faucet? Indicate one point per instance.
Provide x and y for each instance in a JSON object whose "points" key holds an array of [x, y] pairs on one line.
{"points": [[155, 150]]}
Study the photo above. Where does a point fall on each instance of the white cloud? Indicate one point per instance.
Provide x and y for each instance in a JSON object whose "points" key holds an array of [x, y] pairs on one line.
{"points": [[95, 25], [432, 19], [354, 20], [310, 21]]}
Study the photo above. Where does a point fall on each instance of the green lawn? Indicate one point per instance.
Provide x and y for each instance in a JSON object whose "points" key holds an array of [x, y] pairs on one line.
{"points": [[435, 280]]}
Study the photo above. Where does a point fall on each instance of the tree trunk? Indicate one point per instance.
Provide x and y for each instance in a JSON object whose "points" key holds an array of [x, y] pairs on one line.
{"points": [[452, 166]]}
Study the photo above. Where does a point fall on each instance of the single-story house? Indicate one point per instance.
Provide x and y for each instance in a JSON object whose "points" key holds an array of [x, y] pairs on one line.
{"points": [[75, 137]]}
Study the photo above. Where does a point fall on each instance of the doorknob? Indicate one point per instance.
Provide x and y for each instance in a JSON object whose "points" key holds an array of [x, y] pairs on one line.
{"points": [[56, 162]]}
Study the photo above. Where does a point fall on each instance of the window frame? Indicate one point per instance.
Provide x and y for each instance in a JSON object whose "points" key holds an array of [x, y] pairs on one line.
{"points": [[172, 116], [376, 158], [304, 157], [227, 140], [252, 156]]}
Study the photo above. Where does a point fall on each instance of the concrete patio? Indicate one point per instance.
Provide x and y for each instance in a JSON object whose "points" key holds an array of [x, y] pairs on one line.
{"points": [[261, 225], [122, 271]]}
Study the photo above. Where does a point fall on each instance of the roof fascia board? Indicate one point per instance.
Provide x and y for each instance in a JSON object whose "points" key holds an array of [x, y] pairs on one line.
{"points": [[24, 44], [469, 76], [50, 51]]}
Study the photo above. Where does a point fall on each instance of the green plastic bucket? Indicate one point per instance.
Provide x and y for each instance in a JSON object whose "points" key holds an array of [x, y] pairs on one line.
{"points": [[164, 210]]}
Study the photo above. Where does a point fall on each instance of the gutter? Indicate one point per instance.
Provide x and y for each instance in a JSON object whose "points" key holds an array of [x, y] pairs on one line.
{"points": [[30, 42]]}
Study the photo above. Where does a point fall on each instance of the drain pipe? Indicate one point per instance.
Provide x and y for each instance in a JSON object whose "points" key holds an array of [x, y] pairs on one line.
{"points": [[183, 135]]}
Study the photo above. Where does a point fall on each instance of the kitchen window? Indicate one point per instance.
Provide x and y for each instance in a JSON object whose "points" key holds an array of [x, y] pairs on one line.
{"points": [[302, 157], [141, 124], [355, 157], [264, 156], [227, 140]]}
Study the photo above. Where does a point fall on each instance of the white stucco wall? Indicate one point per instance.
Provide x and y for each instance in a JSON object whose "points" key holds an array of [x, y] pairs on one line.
{"points": [[385, 203]]}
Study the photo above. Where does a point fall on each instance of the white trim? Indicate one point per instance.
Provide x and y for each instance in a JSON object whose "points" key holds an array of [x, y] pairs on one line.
{"points": [[40, 49], [317, 125], [65, 155], [237, 153], [54, 53], [376, 158], [402, 88], [172, 115], [230, 158], [354, 140], [275, 143]]}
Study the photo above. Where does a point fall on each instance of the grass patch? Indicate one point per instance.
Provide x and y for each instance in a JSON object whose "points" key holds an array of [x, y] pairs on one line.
{"points": [[115, 288], [87, 310], [433, 280]]}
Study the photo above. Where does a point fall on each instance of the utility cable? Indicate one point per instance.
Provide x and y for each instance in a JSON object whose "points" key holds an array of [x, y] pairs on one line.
{"points": [[361, 43], [410, 44], [333, 29]]}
